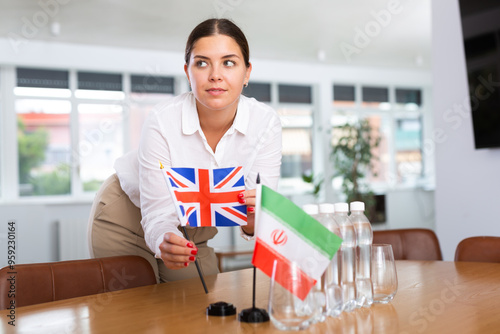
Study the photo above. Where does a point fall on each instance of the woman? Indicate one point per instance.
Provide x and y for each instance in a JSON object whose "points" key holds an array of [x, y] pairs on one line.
{"points": [[212, 126]]}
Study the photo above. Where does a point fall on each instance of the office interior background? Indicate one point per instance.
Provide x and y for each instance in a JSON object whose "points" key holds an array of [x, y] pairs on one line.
{"points": [[73, 98]]}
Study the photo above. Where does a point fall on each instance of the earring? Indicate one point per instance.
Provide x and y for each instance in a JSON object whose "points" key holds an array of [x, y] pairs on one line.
{"points": [[245, 85]]}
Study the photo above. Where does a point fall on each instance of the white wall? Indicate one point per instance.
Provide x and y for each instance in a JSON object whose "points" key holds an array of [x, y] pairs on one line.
{"points": [[467, 197], [409, 208], [36, 229]]}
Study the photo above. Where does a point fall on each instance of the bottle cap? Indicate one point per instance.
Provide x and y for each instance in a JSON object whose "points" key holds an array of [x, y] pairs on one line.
{"points": [[310, 209], [357, 206], [341, 207], [326, 208]]}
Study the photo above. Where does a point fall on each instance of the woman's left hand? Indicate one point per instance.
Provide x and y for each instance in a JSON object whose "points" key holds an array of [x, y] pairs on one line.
{"points": [[247, 197]]}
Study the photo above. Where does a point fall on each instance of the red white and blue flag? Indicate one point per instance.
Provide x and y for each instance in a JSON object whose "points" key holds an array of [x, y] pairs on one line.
{"points": [[206, 197]]}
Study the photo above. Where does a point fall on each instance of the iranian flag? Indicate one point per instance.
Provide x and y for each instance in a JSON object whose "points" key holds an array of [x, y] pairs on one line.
{"points": [[285, 233]]}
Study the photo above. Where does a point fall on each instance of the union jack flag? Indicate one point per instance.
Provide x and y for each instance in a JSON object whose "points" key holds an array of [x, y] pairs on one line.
{"points": [[207, 197]]}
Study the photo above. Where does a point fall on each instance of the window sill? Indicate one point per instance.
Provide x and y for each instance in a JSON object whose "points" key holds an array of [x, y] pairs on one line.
{"points": [[49, 200]]}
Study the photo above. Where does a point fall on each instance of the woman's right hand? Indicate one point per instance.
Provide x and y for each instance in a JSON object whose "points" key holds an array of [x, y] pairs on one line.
{"points": [[177, 252]]}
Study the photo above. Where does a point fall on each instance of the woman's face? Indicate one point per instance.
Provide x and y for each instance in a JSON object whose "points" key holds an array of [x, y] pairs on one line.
{"points": [[217, 73]]}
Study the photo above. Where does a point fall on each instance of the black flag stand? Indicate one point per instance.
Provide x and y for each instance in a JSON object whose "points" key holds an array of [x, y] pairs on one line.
{"points": [[253, 314]]}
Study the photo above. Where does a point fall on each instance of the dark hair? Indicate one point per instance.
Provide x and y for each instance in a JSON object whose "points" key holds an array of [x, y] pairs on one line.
{"points": [[212, 27]]}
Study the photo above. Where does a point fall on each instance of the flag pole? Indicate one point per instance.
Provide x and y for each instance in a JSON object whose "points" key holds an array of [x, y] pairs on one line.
{"points": [[255, 315], [258, 193], [196, 262], [185, 232]]}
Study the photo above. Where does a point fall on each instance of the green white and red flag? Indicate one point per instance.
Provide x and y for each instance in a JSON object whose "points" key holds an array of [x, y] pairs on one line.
{"points": [[284, 232]]}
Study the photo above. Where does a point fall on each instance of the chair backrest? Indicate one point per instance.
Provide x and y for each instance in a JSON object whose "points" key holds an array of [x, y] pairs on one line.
{"points": [[411, 244], [44, 282], [478, 249]]}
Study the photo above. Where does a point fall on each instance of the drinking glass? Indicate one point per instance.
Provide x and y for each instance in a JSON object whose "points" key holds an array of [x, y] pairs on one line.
{"points": [[286, 310], [384, 277]]}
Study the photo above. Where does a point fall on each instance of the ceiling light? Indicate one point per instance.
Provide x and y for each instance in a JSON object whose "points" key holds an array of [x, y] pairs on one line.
{"points": [[321, 55], [55, 28]]}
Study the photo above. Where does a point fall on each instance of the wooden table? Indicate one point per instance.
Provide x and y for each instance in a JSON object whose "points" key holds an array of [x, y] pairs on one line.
{"points": [[433, 297]]}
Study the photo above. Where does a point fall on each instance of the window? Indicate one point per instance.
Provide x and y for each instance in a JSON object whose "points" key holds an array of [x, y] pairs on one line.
{"points": [[408, 136], [146, 92], [73, 125], [294, 106], [260, 91], [408, 99], [70, 136], [344, 96], [380, 128], [408, 147], [396, 121], [375, 97], [347, 112], [296, 112], [295, 94], [100, 120], [43, 117]]}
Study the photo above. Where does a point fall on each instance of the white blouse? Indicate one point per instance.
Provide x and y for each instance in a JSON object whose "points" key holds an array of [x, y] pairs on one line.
{"points": [[172, 135]]}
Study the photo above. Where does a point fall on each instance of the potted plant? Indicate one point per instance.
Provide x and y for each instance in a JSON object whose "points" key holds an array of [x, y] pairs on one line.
{"points": [[353, 156]]}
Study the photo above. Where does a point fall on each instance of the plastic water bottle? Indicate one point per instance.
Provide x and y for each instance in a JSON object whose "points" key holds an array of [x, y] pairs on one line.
{"points": [[316, 299], [348, 249], [331, 277], [364, 238]]}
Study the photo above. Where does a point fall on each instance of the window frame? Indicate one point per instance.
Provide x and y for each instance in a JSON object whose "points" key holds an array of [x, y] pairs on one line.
{"points": [[9, 186], [321, 107], [286, 185], [394, 113]]}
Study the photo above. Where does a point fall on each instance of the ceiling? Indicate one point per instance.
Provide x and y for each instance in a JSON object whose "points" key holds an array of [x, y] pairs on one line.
{"points": [[330, 31]]}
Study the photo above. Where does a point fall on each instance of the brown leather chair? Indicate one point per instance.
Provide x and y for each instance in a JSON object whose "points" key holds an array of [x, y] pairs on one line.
{"points": [[478, 249], [411, 244], [44, 282]]}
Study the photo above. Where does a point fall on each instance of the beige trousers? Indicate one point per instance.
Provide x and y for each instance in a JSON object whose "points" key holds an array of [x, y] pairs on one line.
{"points": [[115, 229]]}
